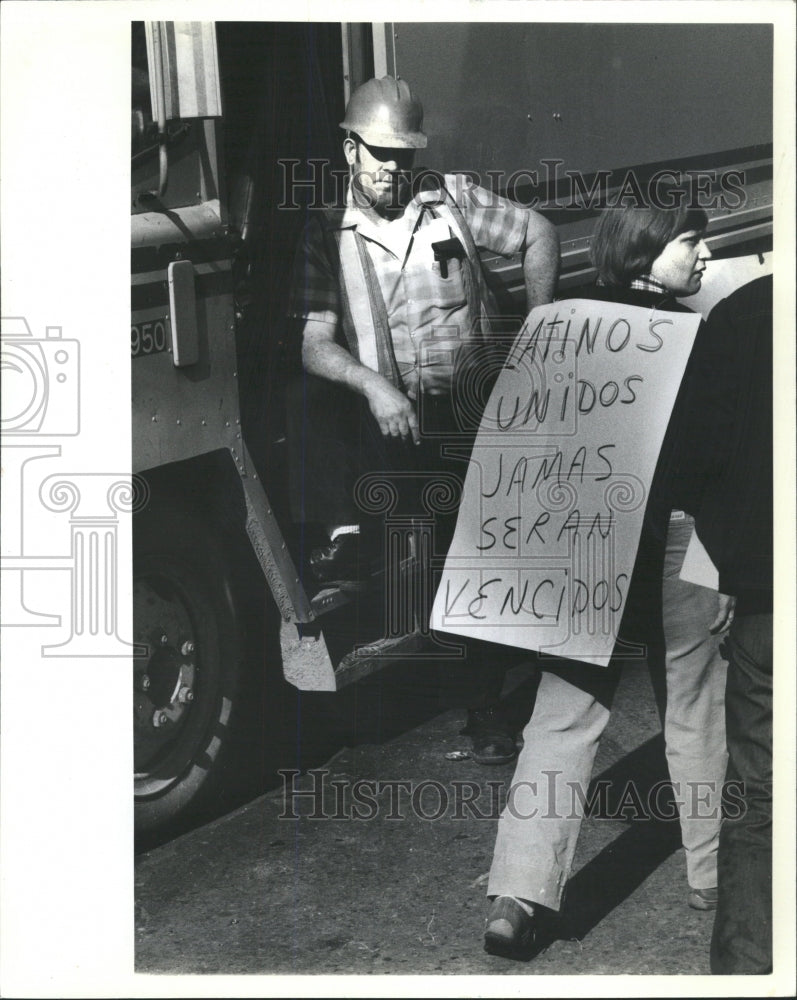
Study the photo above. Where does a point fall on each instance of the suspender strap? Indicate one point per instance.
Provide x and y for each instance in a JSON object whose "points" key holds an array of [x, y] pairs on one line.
{"points": [[364, 320], [384, 343]]}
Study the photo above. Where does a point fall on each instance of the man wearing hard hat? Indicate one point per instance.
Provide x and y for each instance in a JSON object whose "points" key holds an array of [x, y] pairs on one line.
{"points": [[389, 290]]}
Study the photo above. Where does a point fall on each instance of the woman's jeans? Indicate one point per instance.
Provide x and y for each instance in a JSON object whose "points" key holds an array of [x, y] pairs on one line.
{"points": [[539, 828], [694, 715]]}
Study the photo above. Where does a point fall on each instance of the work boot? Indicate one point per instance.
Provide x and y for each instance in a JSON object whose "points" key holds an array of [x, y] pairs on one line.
{"points": [[491, 736]]}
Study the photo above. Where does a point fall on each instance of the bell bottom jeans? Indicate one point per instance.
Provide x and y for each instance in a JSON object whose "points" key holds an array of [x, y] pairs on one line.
{"points": [[539, 828]]}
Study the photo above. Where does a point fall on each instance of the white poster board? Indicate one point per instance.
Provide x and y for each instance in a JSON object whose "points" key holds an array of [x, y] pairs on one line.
{"points": [[697, 566], [558, 482]]}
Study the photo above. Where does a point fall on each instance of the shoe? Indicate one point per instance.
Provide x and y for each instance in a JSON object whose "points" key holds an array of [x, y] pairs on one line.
{"points": [[491, 737], [703, 899], [340, 561], [508, 930]]}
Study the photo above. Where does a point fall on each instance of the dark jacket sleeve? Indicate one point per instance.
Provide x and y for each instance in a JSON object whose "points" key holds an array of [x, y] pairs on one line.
{"points": [[705, 416], [728, 454]]}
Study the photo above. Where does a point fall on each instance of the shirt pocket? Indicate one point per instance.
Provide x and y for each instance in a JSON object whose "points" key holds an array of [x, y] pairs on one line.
{"points": [[453, 268], [439, 292], [448, 292]]}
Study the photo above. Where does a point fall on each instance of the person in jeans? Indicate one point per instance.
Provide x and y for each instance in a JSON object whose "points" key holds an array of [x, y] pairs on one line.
{"points": [[733, 458], [645, 257]]}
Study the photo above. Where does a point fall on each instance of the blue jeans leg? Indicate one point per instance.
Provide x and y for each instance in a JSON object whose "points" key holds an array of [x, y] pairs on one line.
{"points": [[742, 938], [538, 830], [694, 720]]}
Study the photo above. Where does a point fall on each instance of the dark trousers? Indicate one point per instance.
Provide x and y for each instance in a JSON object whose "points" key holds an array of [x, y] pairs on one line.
{"points": [[345, 471], [742, 938], [334, 442]]}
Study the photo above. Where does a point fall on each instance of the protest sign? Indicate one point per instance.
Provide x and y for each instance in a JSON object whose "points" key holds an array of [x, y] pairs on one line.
{"points": [[697, 566], [559, 478]]}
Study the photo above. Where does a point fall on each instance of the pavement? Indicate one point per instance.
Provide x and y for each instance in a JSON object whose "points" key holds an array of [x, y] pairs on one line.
{"points": [[357, 878]]}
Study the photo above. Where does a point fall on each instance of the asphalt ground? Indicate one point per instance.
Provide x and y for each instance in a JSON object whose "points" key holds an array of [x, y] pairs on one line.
{"points": [[299, 885]]}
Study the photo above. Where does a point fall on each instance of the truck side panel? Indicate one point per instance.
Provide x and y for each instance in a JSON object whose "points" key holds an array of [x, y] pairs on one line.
{"points": [[596, 96]]}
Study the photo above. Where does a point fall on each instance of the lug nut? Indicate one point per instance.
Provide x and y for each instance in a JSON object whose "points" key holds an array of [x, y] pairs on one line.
{"points": [[159, 719], [164, 640], [184, 695], [144, 682], [187, 648]]}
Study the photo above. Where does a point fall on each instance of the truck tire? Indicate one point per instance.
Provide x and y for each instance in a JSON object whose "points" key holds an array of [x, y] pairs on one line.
{"points": [[188, 686]]}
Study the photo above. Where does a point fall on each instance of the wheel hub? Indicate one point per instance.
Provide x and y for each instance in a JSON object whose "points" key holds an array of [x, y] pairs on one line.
{"points": [[164, 682]]}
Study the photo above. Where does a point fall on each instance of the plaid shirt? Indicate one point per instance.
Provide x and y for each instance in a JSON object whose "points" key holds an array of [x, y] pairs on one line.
{"points": [[427, 314], [647, 283]]}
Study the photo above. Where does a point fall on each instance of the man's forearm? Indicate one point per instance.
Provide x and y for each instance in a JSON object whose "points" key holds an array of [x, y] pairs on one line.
{"points": [[329, 360], [392, 410], [541, 264]]}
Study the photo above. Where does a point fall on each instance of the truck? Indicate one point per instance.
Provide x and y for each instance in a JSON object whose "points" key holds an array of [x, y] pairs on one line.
{"points": [[235, 140]]}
